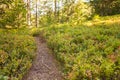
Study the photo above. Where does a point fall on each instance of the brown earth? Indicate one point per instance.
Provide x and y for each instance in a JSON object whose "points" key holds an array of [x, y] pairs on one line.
{"points": [[45, 67]]}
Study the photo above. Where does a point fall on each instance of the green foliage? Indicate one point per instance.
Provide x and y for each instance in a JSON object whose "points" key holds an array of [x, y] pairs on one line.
{"points": [[106, 7], [17, 50], [87, 52], [3, 77], [36, 31], [12, 13], [71, 12], [77, 12]]}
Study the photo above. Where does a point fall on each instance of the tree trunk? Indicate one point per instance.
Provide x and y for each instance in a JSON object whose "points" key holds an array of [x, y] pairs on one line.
{"points": [[55, 8], [36, 14], [28, 13]]}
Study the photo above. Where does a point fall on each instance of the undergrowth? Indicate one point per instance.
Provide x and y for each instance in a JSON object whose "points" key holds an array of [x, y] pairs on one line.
{"points": [[17, 50], [87, 52]]}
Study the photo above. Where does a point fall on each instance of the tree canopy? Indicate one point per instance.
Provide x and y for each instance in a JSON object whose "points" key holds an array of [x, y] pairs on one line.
{"points": [[106, 7]]}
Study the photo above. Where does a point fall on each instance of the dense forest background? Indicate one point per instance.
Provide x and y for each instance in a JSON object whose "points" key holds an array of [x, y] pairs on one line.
{"points": [[83, 35], [13, 12]]}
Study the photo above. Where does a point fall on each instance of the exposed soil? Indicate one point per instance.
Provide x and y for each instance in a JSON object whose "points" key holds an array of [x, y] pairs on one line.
{"points": [[45, 67]]}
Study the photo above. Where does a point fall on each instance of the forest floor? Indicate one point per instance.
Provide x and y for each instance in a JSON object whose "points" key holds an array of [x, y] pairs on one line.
{"points": [[44, 67]]}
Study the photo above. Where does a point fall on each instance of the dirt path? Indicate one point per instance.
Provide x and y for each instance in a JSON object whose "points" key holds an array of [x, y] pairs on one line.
{"points": [[45, 66]]}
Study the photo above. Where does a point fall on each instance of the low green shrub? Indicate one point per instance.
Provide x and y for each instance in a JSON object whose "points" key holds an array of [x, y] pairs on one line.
{"points": [[17, 50], [35, 31], [87, 53]]}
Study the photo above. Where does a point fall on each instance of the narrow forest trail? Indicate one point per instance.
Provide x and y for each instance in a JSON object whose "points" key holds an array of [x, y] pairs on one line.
{"points": [[44, 66]]}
